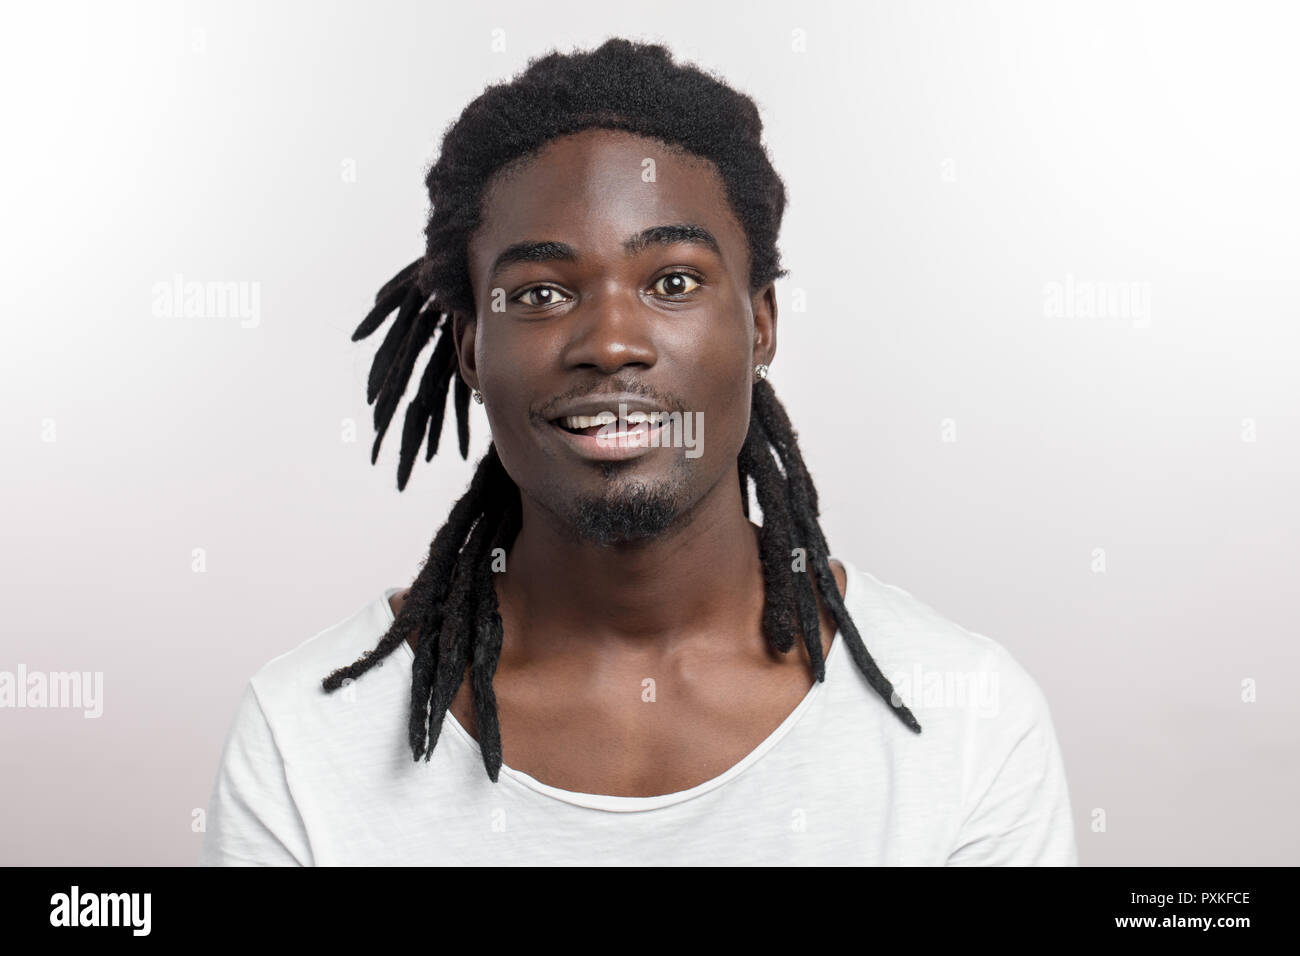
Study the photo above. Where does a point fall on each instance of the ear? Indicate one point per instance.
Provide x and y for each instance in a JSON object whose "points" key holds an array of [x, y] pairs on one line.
{"points": [[463, 329], [763, 303]]}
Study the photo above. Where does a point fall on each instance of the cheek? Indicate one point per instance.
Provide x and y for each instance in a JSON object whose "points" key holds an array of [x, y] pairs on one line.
{"points": [[504, 367], [725, 401], [512, 373]]}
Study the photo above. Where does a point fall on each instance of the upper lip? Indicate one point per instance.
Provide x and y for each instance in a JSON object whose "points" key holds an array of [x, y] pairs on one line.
{"points": [[595, 404]]}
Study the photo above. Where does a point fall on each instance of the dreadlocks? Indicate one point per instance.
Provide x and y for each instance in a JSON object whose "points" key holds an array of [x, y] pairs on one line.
{"points": [[452, 604]]}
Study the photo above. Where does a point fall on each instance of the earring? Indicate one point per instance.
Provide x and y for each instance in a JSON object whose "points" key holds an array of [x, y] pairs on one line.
{"points": [[478, 396], [760, 371]]}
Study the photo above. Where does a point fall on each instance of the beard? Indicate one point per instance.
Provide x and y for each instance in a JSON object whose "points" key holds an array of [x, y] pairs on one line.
{"points": [[625, 512]]}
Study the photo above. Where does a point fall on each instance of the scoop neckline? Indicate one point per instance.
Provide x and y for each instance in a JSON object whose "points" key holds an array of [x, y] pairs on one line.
{"points": [[621, 804]]}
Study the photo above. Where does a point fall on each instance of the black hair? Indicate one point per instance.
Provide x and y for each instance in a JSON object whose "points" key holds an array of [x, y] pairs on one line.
{"points": [[452, 604]]}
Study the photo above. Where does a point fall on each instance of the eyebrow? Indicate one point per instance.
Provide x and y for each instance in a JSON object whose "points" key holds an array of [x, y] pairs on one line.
{"points": [[551, 251]]}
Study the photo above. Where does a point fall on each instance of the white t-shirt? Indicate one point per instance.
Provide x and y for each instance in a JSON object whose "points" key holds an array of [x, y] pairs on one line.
{"points": [[310, 778]]}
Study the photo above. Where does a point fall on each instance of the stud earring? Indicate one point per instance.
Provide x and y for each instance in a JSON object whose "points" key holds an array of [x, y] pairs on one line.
{"points": [[760, 371], [478, 396]]}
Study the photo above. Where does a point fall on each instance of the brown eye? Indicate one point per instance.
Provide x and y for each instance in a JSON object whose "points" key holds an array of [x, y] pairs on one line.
{"points": [[677, 283], [546, 295]]}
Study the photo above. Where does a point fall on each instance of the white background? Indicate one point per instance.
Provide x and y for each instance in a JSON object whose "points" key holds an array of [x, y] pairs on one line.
{"points": [[944, 163]]}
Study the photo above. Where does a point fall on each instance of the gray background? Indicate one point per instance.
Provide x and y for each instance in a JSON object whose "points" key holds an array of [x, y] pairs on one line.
{"points": [[945, 163]]}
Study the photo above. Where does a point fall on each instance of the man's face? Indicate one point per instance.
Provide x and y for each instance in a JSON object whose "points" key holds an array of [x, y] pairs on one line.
{"points": [[671, 323]]}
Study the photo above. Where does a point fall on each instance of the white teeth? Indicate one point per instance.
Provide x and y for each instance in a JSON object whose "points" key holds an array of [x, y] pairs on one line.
{"points": [[587, 421], [609, 418]]}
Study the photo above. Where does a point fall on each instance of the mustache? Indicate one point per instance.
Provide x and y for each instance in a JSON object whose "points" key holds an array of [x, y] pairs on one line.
{"points": [[544, 413]]}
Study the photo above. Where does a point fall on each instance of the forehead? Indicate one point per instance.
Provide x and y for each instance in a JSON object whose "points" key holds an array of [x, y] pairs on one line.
{"points": [[594, 189]]}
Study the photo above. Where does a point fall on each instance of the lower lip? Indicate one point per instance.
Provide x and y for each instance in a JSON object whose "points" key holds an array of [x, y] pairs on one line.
{"points": [[614, 446]]}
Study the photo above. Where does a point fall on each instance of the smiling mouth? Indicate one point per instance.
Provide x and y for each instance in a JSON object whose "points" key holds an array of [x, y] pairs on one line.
{"points": [[608, 424]]}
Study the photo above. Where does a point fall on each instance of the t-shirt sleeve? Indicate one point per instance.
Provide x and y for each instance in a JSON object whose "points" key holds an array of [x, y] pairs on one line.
{"points": [[252, 818], [1016, 799]]}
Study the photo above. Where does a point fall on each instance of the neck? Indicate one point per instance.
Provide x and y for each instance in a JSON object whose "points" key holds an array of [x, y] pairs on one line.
{"points": [[703, 575]]}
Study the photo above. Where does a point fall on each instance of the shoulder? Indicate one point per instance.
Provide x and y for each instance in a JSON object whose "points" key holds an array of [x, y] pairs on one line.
{"points": [[986, 728], [286, 738], [905, 626], [290, 683], [936, 665]]}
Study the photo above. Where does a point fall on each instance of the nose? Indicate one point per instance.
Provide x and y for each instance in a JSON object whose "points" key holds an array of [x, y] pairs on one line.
{"points": [[613, 330]]}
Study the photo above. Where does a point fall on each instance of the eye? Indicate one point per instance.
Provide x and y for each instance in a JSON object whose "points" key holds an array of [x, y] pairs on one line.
{"points": [[677, 284], [545, 295]]}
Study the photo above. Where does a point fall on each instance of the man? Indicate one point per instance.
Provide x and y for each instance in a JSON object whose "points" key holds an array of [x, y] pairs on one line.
{"points": [[646, 675]]}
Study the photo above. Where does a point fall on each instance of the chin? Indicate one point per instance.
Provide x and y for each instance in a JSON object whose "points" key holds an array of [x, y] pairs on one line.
{"points": [[624, 516]]}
